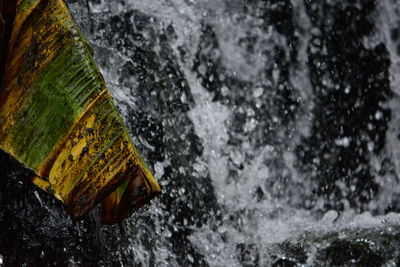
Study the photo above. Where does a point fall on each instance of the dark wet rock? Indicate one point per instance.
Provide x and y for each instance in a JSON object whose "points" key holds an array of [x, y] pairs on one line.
{"points": [[248, 254], [35, 228], [351, 86], [349, 247], [289, 254], [284, 263], [346, 253]]}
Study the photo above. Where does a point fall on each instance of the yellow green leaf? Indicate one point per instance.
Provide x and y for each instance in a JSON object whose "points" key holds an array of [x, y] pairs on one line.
{"points": [[58, 119]]}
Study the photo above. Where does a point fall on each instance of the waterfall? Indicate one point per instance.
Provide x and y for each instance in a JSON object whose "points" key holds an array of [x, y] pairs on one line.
{"points": [[272, 126], [284, 119]]}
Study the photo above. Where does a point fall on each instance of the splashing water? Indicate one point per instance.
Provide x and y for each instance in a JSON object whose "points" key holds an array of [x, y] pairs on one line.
{"points": [[271, 125]]}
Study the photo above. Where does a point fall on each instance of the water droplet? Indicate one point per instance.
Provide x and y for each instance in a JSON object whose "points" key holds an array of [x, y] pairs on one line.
{"points": [[378, 115], [344, 142], [190, 258], [258, 92]]}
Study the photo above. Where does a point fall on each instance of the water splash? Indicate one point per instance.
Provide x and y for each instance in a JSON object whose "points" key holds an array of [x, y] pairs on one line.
{"points": [[242, 102]]}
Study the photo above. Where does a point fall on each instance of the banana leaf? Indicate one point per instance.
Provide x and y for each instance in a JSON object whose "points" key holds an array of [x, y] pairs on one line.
{"points": [[58, 119]]}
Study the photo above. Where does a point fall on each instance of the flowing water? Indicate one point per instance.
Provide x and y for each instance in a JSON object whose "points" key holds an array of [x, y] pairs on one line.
{"points": [[264, 121], [272, 126]]}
